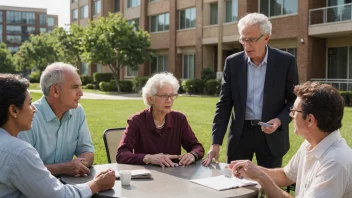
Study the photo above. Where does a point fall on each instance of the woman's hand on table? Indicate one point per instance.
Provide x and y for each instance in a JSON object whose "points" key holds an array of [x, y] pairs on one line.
{"points": [[187, 159], [164, 160]]}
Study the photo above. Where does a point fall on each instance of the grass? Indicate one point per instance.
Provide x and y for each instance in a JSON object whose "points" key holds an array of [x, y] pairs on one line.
{"points": [[103, 114]]}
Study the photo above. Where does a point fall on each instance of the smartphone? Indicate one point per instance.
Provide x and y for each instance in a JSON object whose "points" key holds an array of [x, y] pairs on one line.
{"points": [[264, 124]]}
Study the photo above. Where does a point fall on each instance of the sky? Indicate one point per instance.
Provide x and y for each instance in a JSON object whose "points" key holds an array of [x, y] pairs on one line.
{"points": [[56, 7]]}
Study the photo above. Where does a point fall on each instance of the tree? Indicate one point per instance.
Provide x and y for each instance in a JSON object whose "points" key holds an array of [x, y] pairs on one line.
{"points": [[22, 58], [38, 52], [68, 44], [112, 42], [6, 60]]}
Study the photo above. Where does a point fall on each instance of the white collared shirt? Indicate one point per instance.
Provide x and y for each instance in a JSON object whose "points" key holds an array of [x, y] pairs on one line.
{"points": [[324, 171]]}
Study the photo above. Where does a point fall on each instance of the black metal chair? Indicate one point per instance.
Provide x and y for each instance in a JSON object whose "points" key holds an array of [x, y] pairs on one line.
{"points": [[112, 138]]}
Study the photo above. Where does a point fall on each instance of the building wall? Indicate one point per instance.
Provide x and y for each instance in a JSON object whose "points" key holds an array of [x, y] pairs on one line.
{"points": [[213, 43]]}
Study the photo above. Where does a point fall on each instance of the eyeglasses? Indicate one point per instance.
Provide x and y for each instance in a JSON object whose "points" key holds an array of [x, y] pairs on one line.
{"points": [[249, 40], [293, 111], [166, 97]]}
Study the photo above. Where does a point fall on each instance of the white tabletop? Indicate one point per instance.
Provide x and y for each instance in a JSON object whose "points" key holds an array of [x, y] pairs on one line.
{"points": [[167, 182]]}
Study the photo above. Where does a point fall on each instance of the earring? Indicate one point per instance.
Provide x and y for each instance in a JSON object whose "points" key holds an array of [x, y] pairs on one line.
{"points": [[15, 116]]}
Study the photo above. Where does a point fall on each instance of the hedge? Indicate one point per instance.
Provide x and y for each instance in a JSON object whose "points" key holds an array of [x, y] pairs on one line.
{"points": [[347, 96], [193, 86], [212, 87], [91, 86], [34, 77], [139, 82], [86, 79], [102, 77]]}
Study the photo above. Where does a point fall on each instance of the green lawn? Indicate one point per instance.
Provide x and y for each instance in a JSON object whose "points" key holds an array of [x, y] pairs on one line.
{"points": [[103, 114]]}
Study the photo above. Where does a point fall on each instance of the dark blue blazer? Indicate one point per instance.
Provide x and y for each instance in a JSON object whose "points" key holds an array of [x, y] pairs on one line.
{"points": [[280, 78]]}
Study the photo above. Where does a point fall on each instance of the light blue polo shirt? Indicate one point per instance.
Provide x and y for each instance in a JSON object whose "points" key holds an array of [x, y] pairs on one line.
{"points": [[58, 141]]}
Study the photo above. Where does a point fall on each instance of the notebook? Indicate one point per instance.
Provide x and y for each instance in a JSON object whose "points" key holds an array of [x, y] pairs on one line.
{"points": [[137, 174], [223, 182]]}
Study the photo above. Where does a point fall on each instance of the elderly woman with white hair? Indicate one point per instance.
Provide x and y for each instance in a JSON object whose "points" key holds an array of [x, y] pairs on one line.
{"points": [[156, 134]]}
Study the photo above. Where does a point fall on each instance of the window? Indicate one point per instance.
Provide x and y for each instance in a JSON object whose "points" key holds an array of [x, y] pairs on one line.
{"points": [[187, 18], [278, 7], [132, 3], [42, 19], [27, 29], [152, 1], [159, 23], [231, 10], [97, 8], [99, 69], [84, 68], [159, 64], [0, 16], [42, 30], [292, 51], [13, 49], [13, 29], [188, 66], [135, 21], [131, 72], [74, 14], [13, 17], [0, 33], [213, 13], [116, 5], [84, 12], [13, 39], [51, 21], [28, 17]]}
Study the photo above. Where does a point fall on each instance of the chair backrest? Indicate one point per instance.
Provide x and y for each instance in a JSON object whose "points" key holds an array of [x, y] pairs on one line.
{"points": [[112, 139]]}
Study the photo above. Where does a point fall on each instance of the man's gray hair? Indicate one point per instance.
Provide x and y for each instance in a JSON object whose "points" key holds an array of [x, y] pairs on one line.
{"points": [[255, 19], [53, 74], [157, 81]]}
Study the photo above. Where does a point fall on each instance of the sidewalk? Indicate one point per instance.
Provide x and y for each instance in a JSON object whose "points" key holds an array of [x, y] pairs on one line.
{"points": [[93, 96]]}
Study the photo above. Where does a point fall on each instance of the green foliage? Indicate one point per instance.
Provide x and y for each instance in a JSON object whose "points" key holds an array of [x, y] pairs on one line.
{"points": [[91, 86], [139, 82], [34, 77], [68, 43], [347, 96], [126, 86], [99, 77], [104, 86], [86, 79], [112, 42], [206, 74], [193, 86], [37, 52], [7, 64], [212, 86]]}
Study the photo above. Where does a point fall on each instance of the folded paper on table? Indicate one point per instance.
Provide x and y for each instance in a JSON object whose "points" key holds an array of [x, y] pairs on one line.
{"points": [[224, 183], [137, 174]]}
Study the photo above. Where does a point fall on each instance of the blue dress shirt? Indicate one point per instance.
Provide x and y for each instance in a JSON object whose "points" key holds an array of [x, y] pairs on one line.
{"points": [[58, 141], [23, 174]]}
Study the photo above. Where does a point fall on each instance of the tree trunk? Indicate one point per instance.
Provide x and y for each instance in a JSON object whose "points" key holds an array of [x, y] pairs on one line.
{"points": [[115, 69]]}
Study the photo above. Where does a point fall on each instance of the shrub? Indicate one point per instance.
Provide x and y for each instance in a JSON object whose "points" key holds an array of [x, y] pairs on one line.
{"points": [[34, 77], [193, 86], [212, 86], [126, 85], [104, 86], [139, 82], [91, 86], [102, 77], [206, 74], [347, 96], [86, 79]]}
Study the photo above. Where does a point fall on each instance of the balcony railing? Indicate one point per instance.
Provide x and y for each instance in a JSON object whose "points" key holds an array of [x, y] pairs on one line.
{"points": [[330, 14], [340, 84]]}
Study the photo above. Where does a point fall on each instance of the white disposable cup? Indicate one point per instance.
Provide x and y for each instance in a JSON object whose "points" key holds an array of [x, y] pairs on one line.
{"points": [[125, 177]]}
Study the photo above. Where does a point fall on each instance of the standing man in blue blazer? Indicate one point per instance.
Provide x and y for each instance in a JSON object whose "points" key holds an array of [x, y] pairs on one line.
{"points": [[257, 85]]}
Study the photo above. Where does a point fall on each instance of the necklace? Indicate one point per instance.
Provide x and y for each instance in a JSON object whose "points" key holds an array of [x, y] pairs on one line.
{"points": [[159, 126]]}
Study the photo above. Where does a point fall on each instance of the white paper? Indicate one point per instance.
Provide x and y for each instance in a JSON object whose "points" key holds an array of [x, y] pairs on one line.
{"points": [[223, 183]]}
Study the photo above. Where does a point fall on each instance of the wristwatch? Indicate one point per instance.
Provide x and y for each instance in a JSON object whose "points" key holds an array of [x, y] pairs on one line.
{"points": [[195, 155]]}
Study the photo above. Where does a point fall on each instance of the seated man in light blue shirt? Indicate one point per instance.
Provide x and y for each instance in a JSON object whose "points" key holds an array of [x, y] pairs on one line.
{"points": [[60, 129]]}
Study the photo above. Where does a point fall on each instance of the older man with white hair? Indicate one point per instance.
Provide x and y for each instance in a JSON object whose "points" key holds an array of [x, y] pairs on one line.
{"points": [[59, 130], [258, 85]]}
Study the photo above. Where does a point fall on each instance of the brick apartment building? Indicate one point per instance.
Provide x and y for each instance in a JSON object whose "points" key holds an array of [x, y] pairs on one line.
{"points": [[189, 35], [18, 23]]}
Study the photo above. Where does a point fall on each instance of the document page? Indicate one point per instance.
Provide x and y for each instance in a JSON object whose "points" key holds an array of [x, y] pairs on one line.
{"points": [[223, 183]]}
